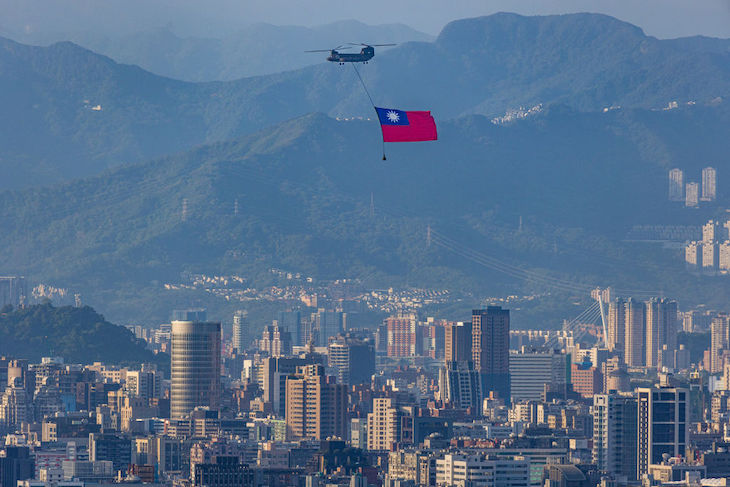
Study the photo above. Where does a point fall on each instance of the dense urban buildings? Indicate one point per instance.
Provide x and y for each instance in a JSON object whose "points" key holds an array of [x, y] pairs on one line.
{"points": [[579, 410]]}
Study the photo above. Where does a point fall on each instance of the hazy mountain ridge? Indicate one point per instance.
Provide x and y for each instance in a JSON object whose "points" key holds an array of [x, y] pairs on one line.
{"points": [[70, 112], [255, 50], [303, 191]]}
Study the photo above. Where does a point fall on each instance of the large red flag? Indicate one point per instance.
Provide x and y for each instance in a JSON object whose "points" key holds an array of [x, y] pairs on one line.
{"points": [[401, 126]]}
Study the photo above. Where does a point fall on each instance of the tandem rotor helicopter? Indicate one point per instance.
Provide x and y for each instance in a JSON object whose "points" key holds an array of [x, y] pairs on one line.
{"points": [[365, 54]]}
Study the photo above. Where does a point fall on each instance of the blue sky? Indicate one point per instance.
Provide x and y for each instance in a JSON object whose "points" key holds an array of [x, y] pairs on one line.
{"points": [[660, 18]]}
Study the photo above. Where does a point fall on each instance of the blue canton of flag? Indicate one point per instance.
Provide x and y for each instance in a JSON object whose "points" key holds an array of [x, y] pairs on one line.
{"points": [[391, 116]]}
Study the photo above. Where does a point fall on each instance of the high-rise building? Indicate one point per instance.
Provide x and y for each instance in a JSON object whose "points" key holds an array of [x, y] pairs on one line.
{"points": [[710, 255], [719, 341], [383, 424], [663, 425], [457, 342], [352, 359], [16, 406], [195, 367], [691, 195], [460, 385], [723, 258], [292, 321], [616, 324], [433, 338], [16, 464], [404, 336], [328, 324], [143, 383], [693, 254], [275, 340], [359, 433], [110, 447], [676, 185], [490, 349], [240, 331], [634, 353], [13, 290], [273, 374], [661, 329], [531, 371], [709, 184], [316, 406], [614, 434], [711, 231]]}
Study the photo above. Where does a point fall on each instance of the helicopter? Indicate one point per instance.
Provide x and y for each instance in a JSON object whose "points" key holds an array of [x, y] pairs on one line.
{"points": [[365, 55]]}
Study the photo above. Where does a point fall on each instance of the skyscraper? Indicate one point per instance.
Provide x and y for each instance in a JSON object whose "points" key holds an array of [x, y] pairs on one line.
{"points": [[316, 407], [328, 324], [634, 352], [614, 434], [663, 425], [383, 424], [195, 366], [17, 464], [691, 195], [460, 385], [352, 359], [719, 341], [490, 349], [709, 184], [12, 290], [275, 340], [531, 371], [273, 374], [711, 231], [292, 321], [710, 255], [616, 324], [693, 254], [404, 338], [457, 342], [240, 331], [676, 185], [661, 328]]}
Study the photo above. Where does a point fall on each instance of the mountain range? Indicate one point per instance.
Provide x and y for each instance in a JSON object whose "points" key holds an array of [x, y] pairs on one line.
{"points": [[255, 50], [117, 180], [297, 196], [70, 112]]}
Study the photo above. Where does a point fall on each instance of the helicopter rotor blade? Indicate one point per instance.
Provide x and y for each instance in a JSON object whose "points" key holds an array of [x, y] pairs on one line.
{"points": [[320, 50], [369, 45]]}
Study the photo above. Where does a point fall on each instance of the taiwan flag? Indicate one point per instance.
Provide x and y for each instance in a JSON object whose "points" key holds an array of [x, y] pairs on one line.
{"points": [[400, 126]]}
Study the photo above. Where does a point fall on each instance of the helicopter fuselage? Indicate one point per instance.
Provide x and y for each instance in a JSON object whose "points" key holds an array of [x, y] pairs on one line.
{"points": [[365, 55]]}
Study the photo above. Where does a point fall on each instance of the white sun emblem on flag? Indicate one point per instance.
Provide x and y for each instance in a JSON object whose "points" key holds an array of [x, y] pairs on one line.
{"points": [[393, 116]]}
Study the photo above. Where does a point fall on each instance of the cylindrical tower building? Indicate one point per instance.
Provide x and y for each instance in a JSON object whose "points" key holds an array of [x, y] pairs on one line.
{"points": [[195, 366]]}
